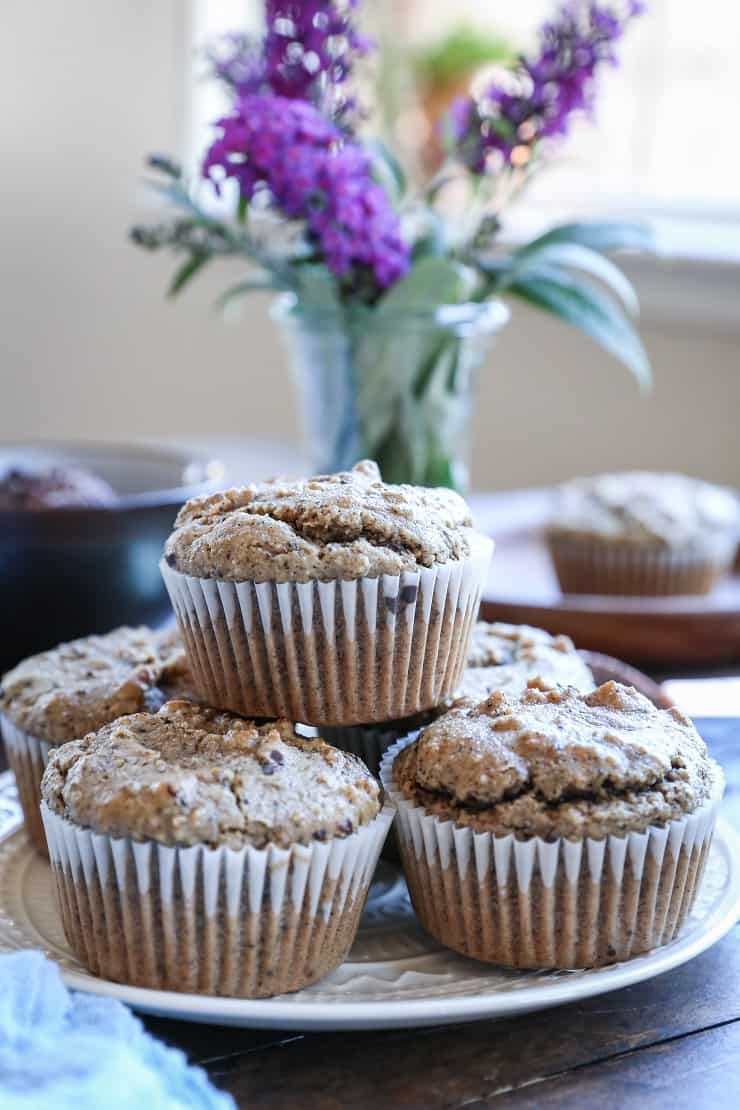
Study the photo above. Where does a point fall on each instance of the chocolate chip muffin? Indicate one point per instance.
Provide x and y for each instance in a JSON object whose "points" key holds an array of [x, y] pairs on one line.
{"points": [[639, 533], [569, 829], [225, 857], [501, 657], [330, 600], [66, 692], [30, 489], [506, 656]]}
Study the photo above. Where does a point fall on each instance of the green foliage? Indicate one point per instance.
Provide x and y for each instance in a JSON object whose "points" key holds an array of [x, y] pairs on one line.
{"points": [[430, 281], [462, 50], [185, 272], [397, 355], [387, 170], [584, 307], [564, 273]]}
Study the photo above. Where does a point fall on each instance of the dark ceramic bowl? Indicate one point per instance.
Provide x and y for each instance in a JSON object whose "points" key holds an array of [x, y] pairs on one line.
{"points": [[69, 572]]}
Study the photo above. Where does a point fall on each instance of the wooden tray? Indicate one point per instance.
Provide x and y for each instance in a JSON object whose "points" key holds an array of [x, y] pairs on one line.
{"points": [[522, 588]]}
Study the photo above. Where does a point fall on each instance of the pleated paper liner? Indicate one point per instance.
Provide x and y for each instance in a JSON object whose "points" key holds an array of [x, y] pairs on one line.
{"points": [[245, 923], [538, 904], [587, 566], [331, 653], [27, 756]]}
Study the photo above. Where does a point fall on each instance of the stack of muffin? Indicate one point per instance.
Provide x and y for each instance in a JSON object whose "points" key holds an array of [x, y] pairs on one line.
{"points": [[200, 842]]}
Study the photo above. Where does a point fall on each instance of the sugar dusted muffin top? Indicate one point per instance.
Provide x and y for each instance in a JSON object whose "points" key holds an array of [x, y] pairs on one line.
{"points": [[665, 510], [559, 763], [193, 775], [347, 525], [72, 689], [506, 656]]}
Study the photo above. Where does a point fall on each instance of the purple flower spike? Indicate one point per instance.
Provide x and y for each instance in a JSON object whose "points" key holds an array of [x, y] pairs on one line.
{"points": [[539, 97], [313, 174], [307, 53]]}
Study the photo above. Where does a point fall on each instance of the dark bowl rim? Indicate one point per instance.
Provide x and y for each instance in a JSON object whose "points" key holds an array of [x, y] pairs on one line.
{"points": [[156, 498]]}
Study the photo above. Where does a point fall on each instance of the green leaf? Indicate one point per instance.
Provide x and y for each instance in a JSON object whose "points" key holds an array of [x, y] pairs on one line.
{"points": [[565, 257], [316, 287], [432, 240], [430, 281], [587, 308], [187, 271], [598, 236], [387, 170], [235, 292]]}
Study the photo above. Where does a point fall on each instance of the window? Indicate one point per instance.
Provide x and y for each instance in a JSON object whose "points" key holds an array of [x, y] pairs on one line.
{"points": [[662, 144]]}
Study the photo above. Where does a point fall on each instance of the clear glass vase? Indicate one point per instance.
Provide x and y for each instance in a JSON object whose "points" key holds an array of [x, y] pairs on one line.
{"points": [[394, 386]]}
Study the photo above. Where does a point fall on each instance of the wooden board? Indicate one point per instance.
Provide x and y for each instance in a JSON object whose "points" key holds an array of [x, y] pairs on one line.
{"points": [[522, 588]]}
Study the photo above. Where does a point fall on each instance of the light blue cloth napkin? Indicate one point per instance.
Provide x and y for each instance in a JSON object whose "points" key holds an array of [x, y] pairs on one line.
{"points": [[67, 1051]]}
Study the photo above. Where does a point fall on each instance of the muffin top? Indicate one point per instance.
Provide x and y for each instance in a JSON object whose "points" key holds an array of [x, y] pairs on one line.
{"points": [[193, 775], [639, 507], [52, 487], [348, 525], [74, 688], [506, 656], [558, 763]]}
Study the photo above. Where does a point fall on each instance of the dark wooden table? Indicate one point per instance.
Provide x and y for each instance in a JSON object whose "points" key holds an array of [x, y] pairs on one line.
{"points": [[672, 1042]]}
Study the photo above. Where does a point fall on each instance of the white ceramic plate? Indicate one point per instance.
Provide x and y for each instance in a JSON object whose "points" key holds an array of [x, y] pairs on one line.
{"points": [[396, 975]]}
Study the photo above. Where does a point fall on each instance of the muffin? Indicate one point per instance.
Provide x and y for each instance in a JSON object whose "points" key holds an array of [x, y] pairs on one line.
{"points": [[74, 688], [501, 657], [197, 851], [506, 656], [30, 489], [642, 534], [555, 829], [331, 600]]}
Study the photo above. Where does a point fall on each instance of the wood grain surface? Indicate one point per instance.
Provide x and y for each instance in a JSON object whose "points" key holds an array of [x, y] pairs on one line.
{"points": [[522, 589]]}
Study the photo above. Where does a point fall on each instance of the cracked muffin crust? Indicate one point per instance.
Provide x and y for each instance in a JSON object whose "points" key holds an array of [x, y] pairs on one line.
{"points": [[506, 656], [559, 763], [337, 526], [192, 775], [72, 689]]}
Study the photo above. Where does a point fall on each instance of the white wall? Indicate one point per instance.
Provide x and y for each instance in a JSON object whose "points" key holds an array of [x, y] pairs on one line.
{"points": [[89, 347]]}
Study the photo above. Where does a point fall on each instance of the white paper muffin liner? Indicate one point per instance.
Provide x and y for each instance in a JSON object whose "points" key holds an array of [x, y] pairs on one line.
{"points": [[371, 742], [331, 653], [27, 756], [246, 923], [593, 566], [538, 904]]}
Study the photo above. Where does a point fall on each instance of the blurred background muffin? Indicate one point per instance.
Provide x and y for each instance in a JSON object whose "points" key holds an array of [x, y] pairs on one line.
{"points": [[81, 531], [640, 533]]}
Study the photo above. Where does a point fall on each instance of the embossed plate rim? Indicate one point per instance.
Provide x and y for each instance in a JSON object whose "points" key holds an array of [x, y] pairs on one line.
{"points": [[290, 1014]]}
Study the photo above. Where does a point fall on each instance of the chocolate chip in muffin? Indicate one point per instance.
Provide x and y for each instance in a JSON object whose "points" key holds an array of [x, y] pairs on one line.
{"points": [[65, 692], [193, 775]]}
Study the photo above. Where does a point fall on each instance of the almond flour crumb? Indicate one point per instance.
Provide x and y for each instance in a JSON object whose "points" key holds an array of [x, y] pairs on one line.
{"points": [[348, 525], [194, 775]]}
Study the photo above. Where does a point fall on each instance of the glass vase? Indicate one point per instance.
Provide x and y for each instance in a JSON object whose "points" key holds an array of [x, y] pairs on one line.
{"points": [[394, 386]]}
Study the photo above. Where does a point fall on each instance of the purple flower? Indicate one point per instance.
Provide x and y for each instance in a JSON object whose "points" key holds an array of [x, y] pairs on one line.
{"points": [[236, 58], [306, 53], [537, 99], [312, 174], [309, 38]]}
